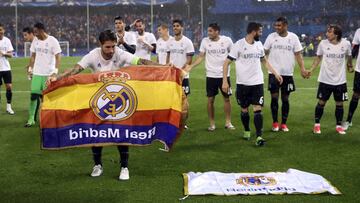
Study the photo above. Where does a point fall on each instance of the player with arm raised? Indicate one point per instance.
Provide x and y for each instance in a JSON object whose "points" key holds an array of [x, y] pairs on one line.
{"points": [[125, 40], [146, 41]]}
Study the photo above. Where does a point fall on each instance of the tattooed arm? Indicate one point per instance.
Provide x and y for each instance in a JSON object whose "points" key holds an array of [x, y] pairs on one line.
{"points": [[75, 70], [147, 62]]}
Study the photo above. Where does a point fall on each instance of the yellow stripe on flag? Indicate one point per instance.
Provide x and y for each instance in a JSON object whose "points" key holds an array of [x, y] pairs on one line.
{"points": [[150, 96]]}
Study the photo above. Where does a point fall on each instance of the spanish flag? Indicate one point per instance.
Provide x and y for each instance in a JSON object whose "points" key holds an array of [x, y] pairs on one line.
{"points": [[132, 106]]}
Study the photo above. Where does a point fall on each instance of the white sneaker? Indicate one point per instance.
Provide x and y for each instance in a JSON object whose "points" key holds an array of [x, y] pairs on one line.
{"points": [[9, 109], [346, 125], [124, 174], [97, 171]]}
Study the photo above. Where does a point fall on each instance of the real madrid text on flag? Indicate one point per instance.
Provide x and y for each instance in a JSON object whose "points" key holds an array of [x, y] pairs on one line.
{"points": [[291, 182], [132, 106]]}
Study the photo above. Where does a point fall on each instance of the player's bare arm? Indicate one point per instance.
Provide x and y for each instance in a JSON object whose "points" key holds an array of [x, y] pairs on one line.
{"points": [[299, 58], [268, 66], [225, 84], [198, 60], [57, 63], [350, 64], [75, 70], [8, 54], [315, 63], [147, 62]]}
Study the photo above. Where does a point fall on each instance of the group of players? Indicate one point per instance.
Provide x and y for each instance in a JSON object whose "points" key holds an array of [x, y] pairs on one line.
{"points": [[278, 54]]}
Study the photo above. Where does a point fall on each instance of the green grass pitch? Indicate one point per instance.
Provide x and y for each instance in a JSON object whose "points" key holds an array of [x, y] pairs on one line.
{"points": [[28, 174]]}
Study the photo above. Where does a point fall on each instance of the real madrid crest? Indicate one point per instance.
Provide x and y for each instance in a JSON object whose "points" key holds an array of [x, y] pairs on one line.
{"points": [[115, 100], [255, 180]]}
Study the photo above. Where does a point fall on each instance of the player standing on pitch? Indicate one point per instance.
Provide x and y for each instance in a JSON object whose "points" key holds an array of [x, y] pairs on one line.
{"points": [[248, 54], [332, 53]]}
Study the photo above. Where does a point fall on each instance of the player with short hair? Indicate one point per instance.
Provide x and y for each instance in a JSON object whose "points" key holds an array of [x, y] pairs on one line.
{"points": [[180, 52], [282, 48], [146, 41], [248, 54], [332, 53], [125, 40], [356, 89], [6, 51], [29, 36], [45, 61], [107, 57], [161, 43], [215, 48]]}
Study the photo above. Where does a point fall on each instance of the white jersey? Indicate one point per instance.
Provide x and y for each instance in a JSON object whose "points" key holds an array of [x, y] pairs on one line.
{"points": [[162, 49], [5, 46], [129, 39], [142, 50], [95, 61], [282, 49], [332, 69], [45, 51], [215, 54], [179, 50], [356, 41], [248, 62]]}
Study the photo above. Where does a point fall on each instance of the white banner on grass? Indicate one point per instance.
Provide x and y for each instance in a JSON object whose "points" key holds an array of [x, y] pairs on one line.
{"points": [[291, 182]]}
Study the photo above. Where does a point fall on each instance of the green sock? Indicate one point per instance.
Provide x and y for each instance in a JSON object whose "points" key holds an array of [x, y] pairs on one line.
{"points": [[32, 110]]}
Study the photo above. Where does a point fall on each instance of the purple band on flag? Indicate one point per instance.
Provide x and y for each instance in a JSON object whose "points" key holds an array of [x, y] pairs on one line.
{"points": [[90, 134]]}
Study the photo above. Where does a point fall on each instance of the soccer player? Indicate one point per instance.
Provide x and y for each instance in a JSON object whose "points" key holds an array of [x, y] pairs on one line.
{"points": [[106, 58], [146, 41], [161, 44], [28, 34], [282, 48], [248, 54], [332, 52], [6, 51], [45, 61], [180, 52], [215, 48], [356, 89], [125, 40]]}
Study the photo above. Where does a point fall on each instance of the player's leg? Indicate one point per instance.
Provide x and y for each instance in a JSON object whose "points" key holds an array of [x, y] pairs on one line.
{"points": [[124, 160], [273, 87], [37, 85], [354, 101], [340, 95], [1, 81], [287, 87], [323, 94], [227, 104], [211, 92], [257, 100], [352, 107], [186, 88], [8, 85], [242, 92], [97, 169], [34, 97]]}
